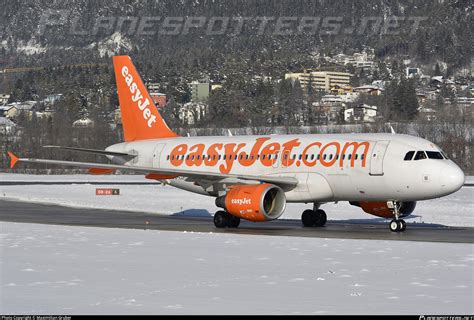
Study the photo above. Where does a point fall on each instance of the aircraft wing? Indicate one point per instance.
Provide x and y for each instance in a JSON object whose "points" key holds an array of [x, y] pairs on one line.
{"points": [[286, 183]]}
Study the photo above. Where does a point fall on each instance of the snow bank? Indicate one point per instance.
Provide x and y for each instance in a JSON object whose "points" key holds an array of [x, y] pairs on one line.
{"points": [[77, 270]]}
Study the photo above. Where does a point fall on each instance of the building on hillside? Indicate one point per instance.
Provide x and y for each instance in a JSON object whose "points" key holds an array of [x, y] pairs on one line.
{"points": [[6, 126], [341, 89], [199, 91], [4, 98], [153, 87], [369, 89], [159, 99], [362, 113], [4, 110], [411, 72], [17, 107], [320, 80], [329, 98], [191, 113], [51, 99]]}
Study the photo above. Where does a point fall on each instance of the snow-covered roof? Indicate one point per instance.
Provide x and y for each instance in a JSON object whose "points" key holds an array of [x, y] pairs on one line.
{"points": [[6, 122], [368, 87]]}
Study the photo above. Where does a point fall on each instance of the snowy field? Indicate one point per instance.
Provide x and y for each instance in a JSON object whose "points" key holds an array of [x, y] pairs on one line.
{"points": [[49, 269], [454, 210]]}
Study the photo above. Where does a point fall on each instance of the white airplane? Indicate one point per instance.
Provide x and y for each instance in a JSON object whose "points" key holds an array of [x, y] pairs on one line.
{"points": [[254, 177]]}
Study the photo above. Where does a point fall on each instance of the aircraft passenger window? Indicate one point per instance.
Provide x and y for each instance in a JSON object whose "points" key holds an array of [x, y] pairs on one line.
{"points": [[420, 155], [409, 155], [246, 157], [224, 157], [356, 156], [263, 157], [251, 156], [187, 157], [168, 157], [192, 158], [349, 157], [286, 157], [434, 155], [330, 157], [276, 157], [361, 157], [300, 156], [306, 157], [235, 158], [258, 156], [324, 157], [219, 157], [337, 156], [319, 156], [197, 157], [294, 156], [214, 157], [343, 156], [312, 156], [241, 156]]}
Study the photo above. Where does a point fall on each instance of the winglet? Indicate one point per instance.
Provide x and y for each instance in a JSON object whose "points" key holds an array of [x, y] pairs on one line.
{"points": [[13, 159]]}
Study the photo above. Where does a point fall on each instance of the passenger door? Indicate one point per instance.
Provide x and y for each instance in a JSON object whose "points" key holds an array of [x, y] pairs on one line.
{"points": [[377, 156], [157, 154]]}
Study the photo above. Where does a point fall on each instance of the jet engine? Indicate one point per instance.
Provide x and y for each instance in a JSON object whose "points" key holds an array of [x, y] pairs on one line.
{"points": [[261, 202], [381, 209]]}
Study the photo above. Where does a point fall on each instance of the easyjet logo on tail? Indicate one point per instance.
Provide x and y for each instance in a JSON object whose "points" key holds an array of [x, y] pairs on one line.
{"points": [[137, 97]]}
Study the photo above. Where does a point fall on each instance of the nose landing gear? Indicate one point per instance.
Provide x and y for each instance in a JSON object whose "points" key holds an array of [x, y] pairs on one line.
{"points": [[397, 224]]}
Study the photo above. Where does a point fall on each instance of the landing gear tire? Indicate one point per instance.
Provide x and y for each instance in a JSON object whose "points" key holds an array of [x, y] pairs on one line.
{"points": [[221, 219], [403, 225], [224, 219], [398, 225], [308, 218], [234, 222], [316, 218], [322, 218]]}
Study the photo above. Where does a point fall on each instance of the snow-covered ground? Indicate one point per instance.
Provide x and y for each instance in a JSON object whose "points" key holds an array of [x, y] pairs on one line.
{"points": [[49, 269], [453, 210]]}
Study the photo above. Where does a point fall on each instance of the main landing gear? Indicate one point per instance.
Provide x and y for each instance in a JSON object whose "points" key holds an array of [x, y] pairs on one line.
{"points": [[223, 219], [397, 224], [314, 218]]}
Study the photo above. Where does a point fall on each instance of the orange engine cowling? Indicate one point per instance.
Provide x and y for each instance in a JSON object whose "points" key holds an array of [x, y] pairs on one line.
{"points": [[380, 208], [261, 202]]}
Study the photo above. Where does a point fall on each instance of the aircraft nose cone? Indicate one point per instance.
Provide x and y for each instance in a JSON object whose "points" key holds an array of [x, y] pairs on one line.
{"points": [[452, 178]]}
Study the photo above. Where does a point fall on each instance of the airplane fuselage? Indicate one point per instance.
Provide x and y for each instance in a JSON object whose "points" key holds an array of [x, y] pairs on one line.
{"points": [[329, 167]]}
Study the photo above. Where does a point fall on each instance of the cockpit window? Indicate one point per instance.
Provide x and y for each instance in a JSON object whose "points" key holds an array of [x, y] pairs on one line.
{"points": [[420, 155], [434, 155], [409, 155]]}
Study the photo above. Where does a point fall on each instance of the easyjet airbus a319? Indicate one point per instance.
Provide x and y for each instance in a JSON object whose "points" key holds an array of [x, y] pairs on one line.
{"points": [[254, 177]]}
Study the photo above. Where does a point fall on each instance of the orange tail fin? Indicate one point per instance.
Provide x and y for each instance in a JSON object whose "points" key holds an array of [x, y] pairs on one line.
{"points": [[140, 117]]}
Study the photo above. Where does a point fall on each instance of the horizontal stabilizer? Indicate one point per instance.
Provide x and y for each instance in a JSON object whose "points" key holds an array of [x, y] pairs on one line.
{"points": [[103, 152]]}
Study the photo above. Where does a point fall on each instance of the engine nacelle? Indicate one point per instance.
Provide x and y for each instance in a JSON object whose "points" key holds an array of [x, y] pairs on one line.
{"points": [[261, 202], [380, 208]]}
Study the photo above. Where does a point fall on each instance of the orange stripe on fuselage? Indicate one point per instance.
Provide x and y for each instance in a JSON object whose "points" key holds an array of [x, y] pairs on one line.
{"points": [[202, 155]]}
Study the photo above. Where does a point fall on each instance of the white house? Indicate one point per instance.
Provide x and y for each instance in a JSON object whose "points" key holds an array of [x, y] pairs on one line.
{"points": [[6, 125], [362, 113], [191, 113]]}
